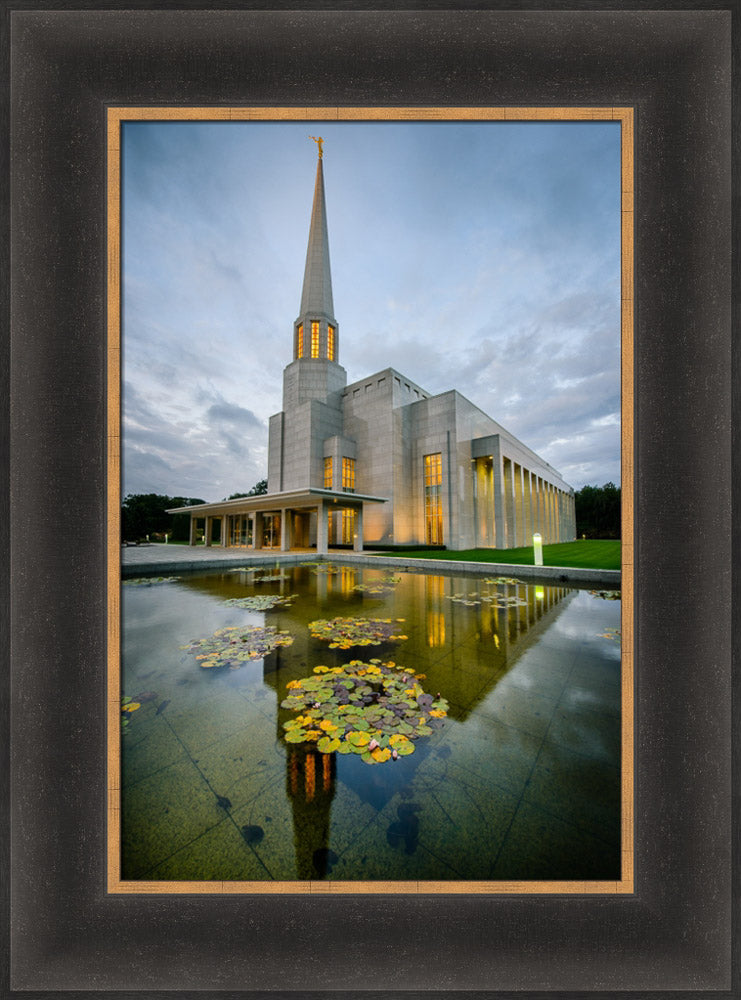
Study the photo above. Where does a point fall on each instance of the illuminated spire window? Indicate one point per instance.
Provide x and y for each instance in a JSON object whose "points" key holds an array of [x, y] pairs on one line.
{"points": [[315, 338], [300, 343], [330, 343]]}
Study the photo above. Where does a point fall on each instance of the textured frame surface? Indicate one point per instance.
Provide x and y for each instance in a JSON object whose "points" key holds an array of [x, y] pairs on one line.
{"points": [[674, 933]]}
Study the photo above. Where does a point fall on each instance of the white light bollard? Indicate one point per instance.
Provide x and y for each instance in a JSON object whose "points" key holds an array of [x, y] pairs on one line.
{"points": [[538, 549]]}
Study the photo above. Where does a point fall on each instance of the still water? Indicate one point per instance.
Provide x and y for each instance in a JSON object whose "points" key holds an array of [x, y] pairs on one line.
{"points": [[520, 780]]}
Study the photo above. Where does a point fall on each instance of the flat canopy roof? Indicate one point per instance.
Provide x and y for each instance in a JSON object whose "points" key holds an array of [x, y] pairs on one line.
{"points": [[291, 499]]}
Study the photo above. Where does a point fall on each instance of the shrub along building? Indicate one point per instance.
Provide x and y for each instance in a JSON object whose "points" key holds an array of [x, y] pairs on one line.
{"points": [[383, 461]]}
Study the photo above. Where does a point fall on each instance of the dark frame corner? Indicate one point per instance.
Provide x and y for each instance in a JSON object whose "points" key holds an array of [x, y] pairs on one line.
{"points": [[675, 934]]}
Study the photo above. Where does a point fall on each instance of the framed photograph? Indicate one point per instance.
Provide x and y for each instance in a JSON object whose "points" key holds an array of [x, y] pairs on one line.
{"points": [[496, 702], [141, 858]]}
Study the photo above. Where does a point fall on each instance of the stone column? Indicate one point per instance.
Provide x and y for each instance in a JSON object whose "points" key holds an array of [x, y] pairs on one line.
{"points": [[528, 505], [561, 518], [509, 503], [544, 501], [207, 531], [519, 506], [358, 540], [285, 530], [257, 530], [193, 524], [224, 536], [322, 544], [500, 541]]}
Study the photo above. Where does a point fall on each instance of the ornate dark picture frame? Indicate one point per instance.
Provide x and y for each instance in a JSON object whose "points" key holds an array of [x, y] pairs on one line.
{"points": [[674, 932]]}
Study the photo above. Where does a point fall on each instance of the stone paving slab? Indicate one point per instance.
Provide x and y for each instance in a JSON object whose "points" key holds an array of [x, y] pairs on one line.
{"points": [[159, 558]]}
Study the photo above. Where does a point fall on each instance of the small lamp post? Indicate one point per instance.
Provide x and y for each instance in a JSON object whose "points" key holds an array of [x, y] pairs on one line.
{"points": [[538, 549]]}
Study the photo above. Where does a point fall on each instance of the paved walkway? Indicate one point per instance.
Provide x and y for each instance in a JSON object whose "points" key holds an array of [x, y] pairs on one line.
{"points": [[159, 558]]}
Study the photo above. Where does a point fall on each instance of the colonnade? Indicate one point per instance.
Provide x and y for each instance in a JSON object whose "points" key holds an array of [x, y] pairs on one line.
{"points": [[282, 529], [512, 503]]}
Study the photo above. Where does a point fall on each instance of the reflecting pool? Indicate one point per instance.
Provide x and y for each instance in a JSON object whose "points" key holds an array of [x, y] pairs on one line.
{"points": [[517, 778]]}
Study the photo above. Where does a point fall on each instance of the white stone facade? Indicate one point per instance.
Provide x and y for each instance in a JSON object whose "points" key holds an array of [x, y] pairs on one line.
{"points": [[447, 472], [495, 491]]}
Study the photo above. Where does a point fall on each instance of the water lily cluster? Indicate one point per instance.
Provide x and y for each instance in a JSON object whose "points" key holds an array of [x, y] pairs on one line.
{"points": [[383, 586], [498, 600], [234, 646], [343, 633], [376, 710], [501, 580], [149, 581], [263, 602], [606, 595]]}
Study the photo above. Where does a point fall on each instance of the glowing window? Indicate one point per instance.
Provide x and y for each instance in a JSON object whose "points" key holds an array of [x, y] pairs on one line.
{"points": [[433, 499], [300, 344], [348, 475], [330, 343], [328, 473], [348, 527], [315, 338]]}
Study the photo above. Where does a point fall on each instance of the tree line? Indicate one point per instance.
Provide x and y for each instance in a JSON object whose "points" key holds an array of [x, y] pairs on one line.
{"points": [[598, 511], [145, 514]]}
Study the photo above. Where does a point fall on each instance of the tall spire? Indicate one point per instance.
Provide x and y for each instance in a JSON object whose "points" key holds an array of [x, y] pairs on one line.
{"points": [[315, 334], [316, 296]]}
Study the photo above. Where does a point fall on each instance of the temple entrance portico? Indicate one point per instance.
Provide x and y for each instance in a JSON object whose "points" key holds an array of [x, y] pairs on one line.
{"points": [[298, 519]]}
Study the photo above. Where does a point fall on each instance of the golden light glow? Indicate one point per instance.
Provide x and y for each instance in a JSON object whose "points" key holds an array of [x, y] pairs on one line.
{"points": [[435, 628], [315, 338], [310, 777], [348, 526], [330, 343], [300, 345], [348, 475], [328, 473], [433, 499]]}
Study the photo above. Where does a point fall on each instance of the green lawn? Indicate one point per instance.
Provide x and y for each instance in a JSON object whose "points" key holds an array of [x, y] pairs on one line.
{"points": [[586, 553]]}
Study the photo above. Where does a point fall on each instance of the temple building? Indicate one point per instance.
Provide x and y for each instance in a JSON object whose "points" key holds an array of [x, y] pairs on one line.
{"points": [[383, 461]]}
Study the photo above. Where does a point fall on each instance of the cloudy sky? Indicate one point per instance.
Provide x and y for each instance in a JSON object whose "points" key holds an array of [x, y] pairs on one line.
{"points": [[483, 257]]}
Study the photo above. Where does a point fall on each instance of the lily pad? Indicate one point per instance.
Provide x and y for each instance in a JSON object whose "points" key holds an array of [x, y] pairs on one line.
{"points": [[385, 585], [370, 711], [344, 633], [263, 602], [611, 633], [327, 745], [233, 646], [149, 581]]}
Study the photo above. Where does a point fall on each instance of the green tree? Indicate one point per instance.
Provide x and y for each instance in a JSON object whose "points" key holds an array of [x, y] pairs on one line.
{"points": [[598, 511], [258, 490], [145, 514]]}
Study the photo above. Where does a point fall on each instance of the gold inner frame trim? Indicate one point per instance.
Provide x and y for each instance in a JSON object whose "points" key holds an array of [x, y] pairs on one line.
{"points": [[118, 115]]}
